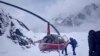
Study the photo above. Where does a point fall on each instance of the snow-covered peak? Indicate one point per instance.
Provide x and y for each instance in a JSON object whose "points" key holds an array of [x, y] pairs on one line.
{"points": [[15, 30], [83, 20]]}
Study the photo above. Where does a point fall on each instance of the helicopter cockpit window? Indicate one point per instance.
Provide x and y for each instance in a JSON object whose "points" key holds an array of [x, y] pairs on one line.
{"points": [[53, 39], [48, 39]]}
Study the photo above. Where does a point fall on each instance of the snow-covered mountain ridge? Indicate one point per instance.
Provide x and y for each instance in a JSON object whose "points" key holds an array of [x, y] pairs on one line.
{"points": [[89, 12], [88, 16], [15, 30]]}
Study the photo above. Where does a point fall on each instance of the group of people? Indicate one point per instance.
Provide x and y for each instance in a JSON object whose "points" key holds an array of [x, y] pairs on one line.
{"points": [[73, 43], [94, 43]]}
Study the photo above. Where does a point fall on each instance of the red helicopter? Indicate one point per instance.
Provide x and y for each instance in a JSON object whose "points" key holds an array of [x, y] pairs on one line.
{"points": [[52, 42]]}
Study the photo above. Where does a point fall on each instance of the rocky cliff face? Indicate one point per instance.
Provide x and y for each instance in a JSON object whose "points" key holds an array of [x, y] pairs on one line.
{"points": [[15, 30]]}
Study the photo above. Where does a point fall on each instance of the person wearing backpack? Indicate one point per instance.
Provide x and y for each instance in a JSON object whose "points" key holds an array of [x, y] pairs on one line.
{"points": [[91, 42], [94, 43], [73, 43], [97, 44]]}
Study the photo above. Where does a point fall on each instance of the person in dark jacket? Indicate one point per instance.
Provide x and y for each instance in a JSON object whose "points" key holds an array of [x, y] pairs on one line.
{"points": [[91, 42], [73, 43], [97, 44]]}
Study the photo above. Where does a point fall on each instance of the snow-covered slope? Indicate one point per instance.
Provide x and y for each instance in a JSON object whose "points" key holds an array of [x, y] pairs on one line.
{"points": [[15, 30], [8, 48]]}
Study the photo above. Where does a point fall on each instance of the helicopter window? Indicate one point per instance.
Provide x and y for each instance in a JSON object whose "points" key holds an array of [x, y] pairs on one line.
{"points": [[47, 39], [58, 39], [53, 39]]}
